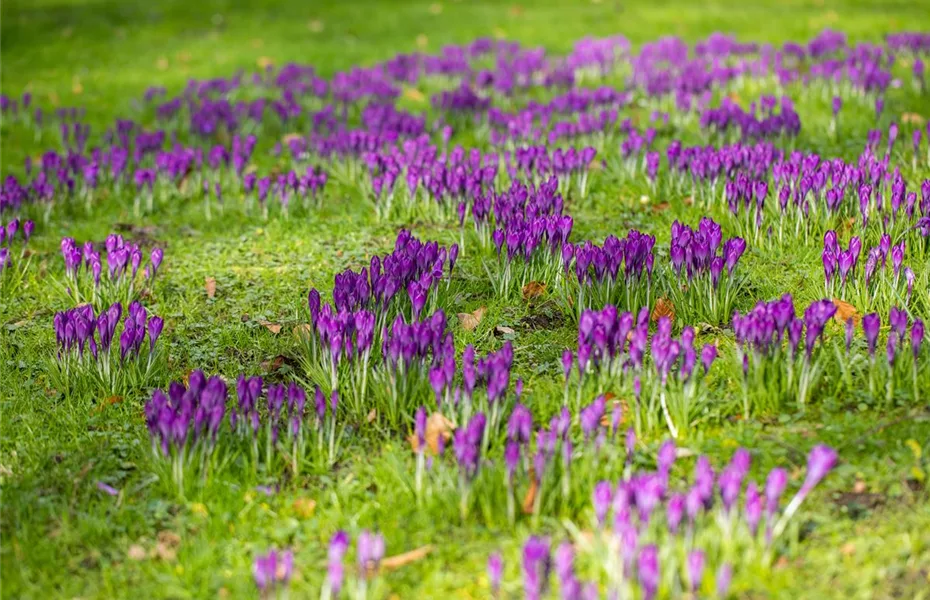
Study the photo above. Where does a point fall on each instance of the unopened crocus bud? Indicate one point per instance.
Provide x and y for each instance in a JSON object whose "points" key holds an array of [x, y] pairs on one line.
{"points": [[724, 578], [917, 337], [495, 572], [155, 326], [695, 566], [820, 461], [28, 228], [870, 326]]}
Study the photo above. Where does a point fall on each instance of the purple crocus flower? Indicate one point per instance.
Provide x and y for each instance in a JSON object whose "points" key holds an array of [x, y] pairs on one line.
{"points": [[724, 578], [648, 570], [155, 326], [695, 564], [335, 570], [917, 337], [273, 568], [820, 461], [603, 496], [870, 326], [495, 572], [536, 567], [370, 551]]}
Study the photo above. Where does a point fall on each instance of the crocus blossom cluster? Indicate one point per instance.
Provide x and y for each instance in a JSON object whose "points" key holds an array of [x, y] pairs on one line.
{"points": [[619, 272], [90, 354], [769, 342], [184, 425], [84, 277], [652, 539], [12, 267], [704, 284], [878, 284]]}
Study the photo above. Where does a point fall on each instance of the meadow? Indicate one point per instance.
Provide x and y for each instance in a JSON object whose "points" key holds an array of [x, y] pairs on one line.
{"points": [[464, 299]]}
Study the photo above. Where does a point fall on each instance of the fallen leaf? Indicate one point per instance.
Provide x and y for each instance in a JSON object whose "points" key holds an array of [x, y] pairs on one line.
{"points": [[435, 8], [291, 137], [372, 415], [274, 364], [845, 311], [436, 425], [533, 289], [167, 547], [422, 41], [399, 560], [136, 553], [264, 62], [848, 549], [209, 283], [110, 401], [274, 328], [530, 498], [912, 118], [305, 507], [503, 330], [199, 509], [663, 308], [316, 26], [659, 207], [470, 320], [859, 487]]}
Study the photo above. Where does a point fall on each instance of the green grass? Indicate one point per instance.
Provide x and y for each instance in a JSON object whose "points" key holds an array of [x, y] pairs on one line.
{"points": [[866, 531]]}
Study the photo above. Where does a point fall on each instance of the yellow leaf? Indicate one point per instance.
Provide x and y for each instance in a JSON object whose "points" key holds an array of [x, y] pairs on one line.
{"points": [[663, 308], [845, 311], [912, 118], [533, 289], [264, 62], [199, 508], [915, 448], [209, 284], [399, 560], [470, 320]]}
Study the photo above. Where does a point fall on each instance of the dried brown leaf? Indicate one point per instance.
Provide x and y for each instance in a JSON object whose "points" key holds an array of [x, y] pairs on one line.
{"points": [[274, 328], [136, 553], [437, 425], [845, 311], [503, 330], [533, 290], [530, 498], [663, 308], [167, 547], [470, 320], [209, 284], [400, 560], [372, 415]]}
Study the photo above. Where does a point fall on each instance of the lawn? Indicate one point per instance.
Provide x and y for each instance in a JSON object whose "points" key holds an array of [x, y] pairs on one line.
{"points": [[89, 510]]}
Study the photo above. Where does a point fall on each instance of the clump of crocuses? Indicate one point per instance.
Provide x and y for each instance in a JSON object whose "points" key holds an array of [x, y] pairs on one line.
{"points": [[272, 572], [282, 429], [619, 272], [653, 540], [780, 353], [92, 357], [184, 426], [612, 349], [86, 281], [14, 237], [703, 282]]}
